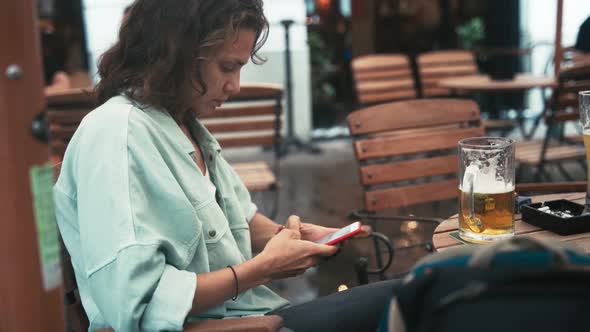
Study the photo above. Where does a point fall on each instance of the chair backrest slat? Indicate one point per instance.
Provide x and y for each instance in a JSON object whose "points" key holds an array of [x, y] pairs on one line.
{"points": [[408, 170], [242, 141], [262, 108], [412, 114], [409, 195], [383, 147], [244, 125], [414, 140], [383, 77]]}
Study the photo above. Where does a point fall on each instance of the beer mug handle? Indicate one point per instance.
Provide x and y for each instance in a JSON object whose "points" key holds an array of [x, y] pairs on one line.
{"points": [[470, 177], [472, 220]]}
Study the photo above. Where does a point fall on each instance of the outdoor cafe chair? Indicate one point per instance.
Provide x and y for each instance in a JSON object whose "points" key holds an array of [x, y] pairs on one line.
{"points": [[435, 66], [556, 148], [381, 78], [406, 153]]}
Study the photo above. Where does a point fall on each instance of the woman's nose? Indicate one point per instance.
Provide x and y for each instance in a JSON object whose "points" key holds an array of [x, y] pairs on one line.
{"points": [[233, 85]]}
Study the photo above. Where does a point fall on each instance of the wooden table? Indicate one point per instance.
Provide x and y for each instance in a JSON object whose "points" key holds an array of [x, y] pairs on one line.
{"points": [[442, 240], [484, 84]]}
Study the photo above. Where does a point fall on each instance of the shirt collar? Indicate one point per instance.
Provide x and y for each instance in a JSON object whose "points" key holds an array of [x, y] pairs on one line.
{"points": [[203, 136]]}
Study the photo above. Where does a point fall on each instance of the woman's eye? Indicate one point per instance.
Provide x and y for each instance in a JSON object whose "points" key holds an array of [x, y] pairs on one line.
{"points": [[228, 68]]}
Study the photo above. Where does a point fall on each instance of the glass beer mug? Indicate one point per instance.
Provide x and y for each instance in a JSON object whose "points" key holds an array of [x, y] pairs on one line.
{"points": [[486, 188], [585, 119]]}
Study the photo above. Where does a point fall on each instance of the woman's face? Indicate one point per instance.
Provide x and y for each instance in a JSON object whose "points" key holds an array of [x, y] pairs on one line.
{"points": [[221, 71]]}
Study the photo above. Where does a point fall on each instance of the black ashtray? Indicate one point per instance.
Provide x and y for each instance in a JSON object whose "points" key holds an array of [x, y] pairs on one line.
{"points": [[560, 216]]}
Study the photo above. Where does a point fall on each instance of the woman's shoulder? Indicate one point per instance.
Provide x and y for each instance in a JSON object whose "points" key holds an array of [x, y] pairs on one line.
{"points": [[119, 114], [116, 109]]}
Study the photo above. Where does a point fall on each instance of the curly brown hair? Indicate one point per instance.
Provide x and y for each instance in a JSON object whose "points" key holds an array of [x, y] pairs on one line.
{"points": [[153, 62]]}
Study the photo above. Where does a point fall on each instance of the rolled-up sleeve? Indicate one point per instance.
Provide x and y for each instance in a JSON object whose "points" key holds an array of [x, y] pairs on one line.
{"points": [[139, 291], [138, 232]]}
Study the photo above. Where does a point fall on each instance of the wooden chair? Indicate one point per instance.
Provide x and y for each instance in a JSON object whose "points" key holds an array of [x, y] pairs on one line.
{"points": [[250, 119], [65, 111], [407, 153], [556, 148], [437, 65], [383, 77]]}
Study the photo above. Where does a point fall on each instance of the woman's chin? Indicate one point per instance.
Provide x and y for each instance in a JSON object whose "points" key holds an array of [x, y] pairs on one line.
{"points": [[205, 110]]}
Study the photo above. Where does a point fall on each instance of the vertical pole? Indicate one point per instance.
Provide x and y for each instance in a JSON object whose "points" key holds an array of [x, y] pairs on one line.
{"points": [[288, 80], [24, 303], [558, 48]]}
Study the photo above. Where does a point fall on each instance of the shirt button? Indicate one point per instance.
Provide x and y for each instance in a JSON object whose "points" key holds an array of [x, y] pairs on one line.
{"points": [[212, 233]]}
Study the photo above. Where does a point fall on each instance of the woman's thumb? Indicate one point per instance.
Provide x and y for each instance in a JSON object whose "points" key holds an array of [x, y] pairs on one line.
{"points": [[293, 223], [325, 250]]}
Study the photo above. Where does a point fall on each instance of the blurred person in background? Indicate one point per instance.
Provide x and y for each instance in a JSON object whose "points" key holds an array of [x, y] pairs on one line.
{"points": [[54, 57], [583, 39]]}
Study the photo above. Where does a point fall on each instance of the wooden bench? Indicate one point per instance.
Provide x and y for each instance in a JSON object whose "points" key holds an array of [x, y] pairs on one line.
{"points": [[249, 119]]}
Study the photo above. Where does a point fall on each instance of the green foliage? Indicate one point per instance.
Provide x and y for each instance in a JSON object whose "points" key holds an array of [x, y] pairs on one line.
{"points": [[320, 67], [471, 33]]}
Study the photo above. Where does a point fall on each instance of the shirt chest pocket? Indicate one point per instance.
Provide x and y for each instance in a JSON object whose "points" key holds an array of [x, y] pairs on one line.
{"points": [[215, 225], [222, 248]]}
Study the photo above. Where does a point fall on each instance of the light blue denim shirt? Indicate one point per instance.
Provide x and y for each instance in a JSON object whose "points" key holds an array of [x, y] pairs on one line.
{"points": [[137, 218]]}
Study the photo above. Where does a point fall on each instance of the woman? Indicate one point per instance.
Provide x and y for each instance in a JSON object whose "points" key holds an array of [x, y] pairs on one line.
{"points": [[159, 227]]}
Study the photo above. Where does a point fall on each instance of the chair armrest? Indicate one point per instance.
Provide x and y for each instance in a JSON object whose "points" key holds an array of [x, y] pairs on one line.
{"points": [[367, 216], [271, 323], [551, 187]]}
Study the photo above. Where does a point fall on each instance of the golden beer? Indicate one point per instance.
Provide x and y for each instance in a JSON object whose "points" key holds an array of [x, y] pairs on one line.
{"points": [[491, 217]]}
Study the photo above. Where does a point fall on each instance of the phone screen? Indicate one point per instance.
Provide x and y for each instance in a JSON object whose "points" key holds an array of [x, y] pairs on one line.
{"points": [[341, 234]]}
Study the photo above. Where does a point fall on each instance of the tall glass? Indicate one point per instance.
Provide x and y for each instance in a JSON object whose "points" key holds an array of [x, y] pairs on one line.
{"points": [[486, 188], [585, 119]]}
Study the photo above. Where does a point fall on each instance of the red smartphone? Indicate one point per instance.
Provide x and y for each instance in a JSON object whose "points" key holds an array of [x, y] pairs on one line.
{"points": [[341, 234]]}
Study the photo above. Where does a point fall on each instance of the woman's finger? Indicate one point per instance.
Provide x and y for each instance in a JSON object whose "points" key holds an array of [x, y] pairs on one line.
{"points": [[294, 223]]}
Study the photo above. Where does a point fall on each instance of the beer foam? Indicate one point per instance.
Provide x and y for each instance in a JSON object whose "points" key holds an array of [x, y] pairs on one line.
{"points": [[484, 181]]}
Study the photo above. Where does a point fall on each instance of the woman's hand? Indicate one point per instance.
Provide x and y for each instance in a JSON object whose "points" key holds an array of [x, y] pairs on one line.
{"points": [[311, 232], [287, 254]]}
